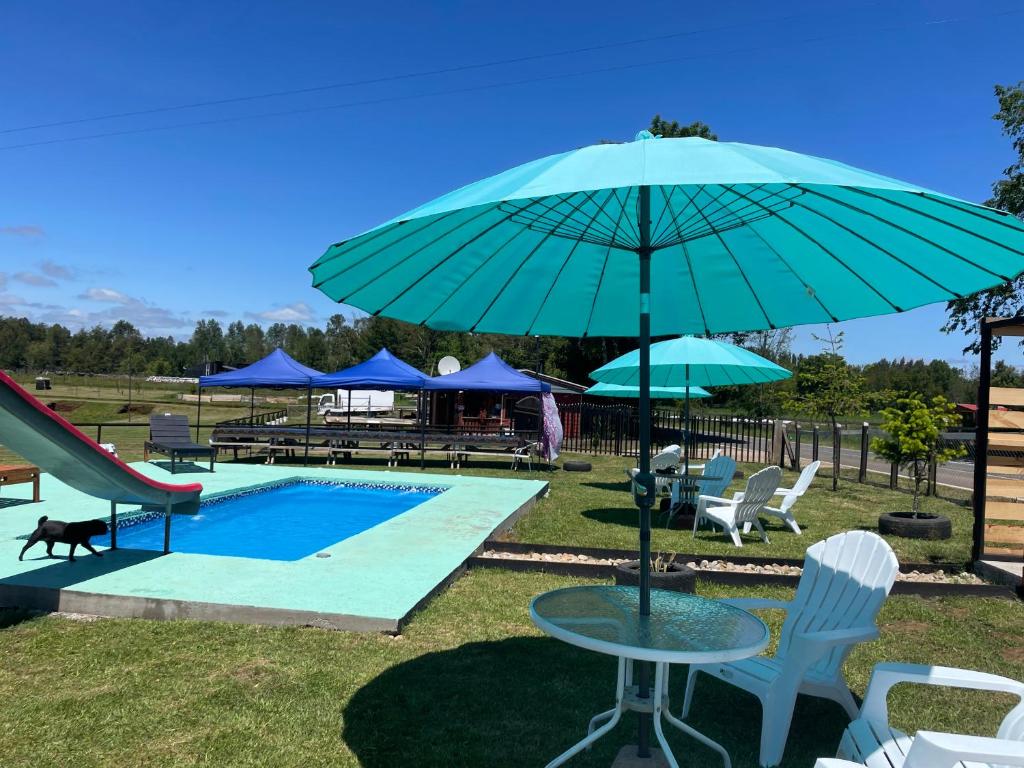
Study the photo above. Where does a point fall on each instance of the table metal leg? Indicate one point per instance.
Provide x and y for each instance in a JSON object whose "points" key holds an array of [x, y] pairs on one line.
{"points": [[661, 675], [593, 736]]}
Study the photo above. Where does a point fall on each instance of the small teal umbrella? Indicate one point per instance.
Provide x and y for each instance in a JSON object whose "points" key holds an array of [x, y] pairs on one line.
{"points": [[672, 236], [662, 393], [688, 361]]}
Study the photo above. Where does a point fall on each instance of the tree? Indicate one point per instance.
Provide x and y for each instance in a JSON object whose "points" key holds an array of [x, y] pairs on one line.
{"points": [[1006, 300], [664, 128], [913, 438], [827, 386]]}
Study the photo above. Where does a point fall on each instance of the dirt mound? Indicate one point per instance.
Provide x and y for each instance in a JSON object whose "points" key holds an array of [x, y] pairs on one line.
{"points": [[63, 406], [142, 409]]}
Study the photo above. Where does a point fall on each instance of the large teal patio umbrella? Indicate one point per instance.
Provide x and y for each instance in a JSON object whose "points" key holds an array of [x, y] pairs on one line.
{"points": [[689, 361], [670, 236]]}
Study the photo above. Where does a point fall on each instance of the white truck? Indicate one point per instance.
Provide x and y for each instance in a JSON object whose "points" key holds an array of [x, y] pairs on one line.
{"points": [[358, 402]]}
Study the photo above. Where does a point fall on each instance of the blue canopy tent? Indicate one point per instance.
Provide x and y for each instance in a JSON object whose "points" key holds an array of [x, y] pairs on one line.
{"points": [[491, 374], [278, 370], [382, 371]]}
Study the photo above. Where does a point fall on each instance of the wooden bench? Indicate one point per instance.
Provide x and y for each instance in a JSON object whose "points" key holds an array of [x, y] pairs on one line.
{"points": [[15, 474]]}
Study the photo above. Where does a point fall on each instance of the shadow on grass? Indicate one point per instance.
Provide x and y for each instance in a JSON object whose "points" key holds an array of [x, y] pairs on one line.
{"points": [[522, 701], [617, 486]]}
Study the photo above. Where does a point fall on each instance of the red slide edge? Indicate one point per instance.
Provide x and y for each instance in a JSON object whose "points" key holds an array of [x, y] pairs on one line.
{"points": [[11, 384]]}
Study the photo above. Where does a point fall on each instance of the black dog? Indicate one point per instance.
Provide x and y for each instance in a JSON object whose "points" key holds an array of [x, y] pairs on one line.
{"points": [[57, 532]]}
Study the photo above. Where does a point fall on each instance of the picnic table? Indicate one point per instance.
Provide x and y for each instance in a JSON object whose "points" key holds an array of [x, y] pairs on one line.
{"points": [[14, 474], [682, 629]]}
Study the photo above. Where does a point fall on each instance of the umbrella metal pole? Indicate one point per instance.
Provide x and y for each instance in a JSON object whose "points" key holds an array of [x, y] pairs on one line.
{"points": [[644, 483], [423, 432], [199, 410], [686, 427], [252, 403]]}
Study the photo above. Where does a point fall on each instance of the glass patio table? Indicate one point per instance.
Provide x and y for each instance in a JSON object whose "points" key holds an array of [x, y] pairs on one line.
{"points": [[682, 629]]}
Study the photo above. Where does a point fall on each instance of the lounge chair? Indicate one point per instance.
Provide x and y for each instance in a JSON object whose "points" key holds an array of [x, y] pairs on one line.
{"points": [[870, 740], [663, 465], [169, 436], [789, 497], [845, 580], [742, 508]]}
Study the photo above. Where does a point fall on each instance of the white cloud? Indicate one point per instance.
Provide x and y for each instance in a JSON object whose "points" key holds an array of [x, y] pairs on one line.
{"points": [[22, 230], [3, 279], [31, 278], [106, 294], [291, 313]]}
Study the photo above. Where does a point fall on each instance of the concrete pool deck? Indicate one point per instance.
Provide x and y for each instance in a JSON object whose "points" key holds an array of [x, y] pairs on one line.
{"points": [[371, 582]]}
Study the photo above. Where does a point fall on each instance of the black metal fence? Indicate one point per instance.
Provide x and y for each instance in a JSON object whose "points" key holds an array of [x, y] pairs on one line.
{"points": [[615, 430]]}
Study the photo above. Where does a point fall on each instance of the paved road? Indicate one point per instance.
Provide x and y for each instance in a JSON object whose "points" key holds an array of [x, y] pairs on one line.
{"points": [[959, 474]]}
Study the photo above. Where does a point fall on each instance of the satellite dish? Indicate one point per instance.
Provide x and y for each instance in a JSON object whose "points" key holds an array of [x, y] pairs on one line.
{"points": [[448, 364]]}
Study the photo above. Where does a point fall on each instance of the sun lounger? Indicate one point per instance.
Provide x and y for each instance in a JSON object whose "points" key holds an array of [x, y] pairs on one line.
{"points": [[169, 436]]}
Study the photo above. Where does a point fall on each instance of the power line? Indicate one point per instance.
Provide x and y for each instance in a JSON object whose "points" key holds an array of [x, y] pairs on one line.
{"points": [[500, 84], [410, 75]]}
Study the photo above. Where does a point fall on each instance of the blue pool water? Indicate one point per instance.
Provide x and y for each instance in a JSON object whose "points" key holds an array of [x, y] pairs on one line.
{"points": [[284, 522]]}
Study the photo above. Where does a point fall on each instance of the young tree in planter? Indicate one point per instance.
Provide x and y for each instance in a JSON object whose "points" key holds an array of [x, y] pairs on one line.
{"points": [[913, 430]]}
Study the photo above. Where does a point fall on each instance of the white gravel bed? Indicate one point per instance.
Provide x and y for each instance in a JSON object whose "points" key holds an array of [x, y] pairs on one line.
{"points": [[937, 577]]}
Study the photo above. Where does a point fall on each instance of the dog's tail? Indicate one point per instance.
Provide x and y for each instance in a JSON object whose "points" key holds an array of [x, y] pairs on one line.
{"points": [[42, 520]]}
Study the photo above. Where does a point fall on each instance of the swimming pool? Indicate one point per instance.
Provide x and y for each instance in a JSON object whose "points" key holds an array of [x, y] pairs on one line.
{"points": [[289, 520]]}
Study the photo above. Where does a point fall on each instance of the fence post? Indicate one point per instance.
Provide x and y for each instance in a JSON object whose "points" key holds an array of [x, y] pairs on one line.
{"points": [[796, 447], [814, 443], [836, 447], [99, 433], [862, 474], [933, 471], [894, 476]]}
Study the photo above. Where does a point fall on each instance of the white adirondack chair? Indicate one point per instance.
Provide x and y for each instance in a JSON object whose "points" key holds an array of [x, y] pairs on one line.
{"points": [[845, 580], [870, 740], [663, 465], [742, 508], [789, 497], [719, 466]]}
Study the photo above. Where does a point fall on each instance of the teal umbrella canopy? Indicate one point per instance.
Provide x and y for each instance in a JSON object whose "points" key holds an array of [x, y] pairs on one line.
{"points": [[662, 393], [693, 360], [741, 237]]}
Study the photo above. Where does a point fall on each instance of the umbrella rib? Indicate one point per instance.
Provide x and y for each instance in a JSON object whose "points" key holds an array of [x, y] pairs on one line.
{"points": [[473, 274], [794, 272], [548, 224], [403, 259], [915, 235], [875, 245], [689, 262], [991, 215], [561, 269], [829, 253], [742, 272], [382, 232], [501, 290], [604, 265], [436, 266]]}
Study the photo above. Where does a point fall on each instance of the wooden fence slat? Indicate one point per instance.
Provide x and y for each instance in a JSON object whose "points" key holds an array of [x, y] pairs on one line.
{"points": [[1006, 419], [1006, 396], [1003, 510], [1004, 534]]}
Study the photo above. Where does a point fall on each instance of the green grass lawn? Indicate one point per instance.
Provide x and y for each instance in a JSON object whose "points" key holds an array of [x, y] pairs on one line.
{"points": [[470, 683]]}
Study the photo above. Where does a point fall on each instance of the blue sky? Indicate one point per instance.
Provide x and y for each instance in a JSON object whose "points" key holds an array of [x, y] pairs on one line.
{"points": [[162, 225]]}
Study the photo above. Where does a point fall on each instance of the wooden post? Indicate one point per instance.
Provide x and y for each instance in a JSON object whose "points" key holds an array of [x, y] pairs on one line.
{"points": [[862, 473], [981, 440], [814, 443], [796, 446], [837, 440], [894, 476]]}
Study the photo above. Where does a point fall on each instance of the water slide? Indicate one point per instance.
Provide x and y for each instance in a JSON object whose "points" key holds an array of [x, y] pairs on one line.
{"points": [[55, 445]]}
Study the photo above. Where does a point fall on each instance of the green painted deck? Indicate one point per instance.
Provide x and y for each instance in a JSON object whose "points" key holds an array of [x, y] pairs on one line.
{"points": [[372, 581]]}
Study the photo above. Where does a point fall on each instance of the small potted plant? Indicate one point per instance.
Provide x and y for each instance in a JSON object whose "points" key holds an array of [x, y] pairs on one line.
{"points": [[666, 573], [913, 441]]}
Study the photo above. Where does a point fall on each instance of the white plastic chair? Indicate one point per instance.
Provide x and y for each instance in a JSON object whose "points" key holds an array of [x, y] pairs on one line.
{"points": [[663, 464], [870, 740], [789, 497], [845, 580], [526, 452], [742, 508], [719, 466]]}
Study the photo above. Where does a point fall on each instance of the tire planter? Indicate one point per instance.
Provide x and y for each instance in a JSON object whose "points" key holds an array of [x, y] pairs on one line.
{"points": [[576, 466], [904, 524], [679, 577]]}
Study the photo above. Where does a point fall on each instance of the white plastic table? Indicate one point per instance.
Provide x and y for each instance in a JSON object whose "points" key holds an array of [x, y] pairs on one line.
{"points": [[682, 629]]}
